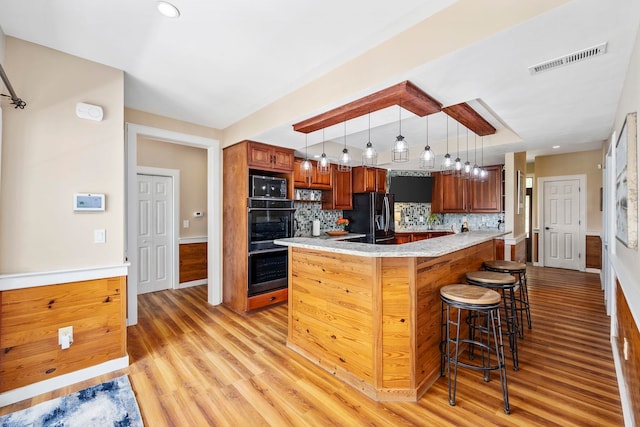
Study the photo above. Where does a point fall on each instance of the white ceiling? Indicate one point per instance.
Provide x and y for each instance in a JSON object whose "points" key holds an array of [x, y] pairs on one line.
{"points": [[223, 60]]}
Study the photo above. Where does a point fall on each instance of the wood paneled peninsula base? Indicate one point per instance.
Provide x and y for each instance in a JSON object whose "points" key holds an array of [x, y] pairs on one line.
{"points": [[370, 314]]}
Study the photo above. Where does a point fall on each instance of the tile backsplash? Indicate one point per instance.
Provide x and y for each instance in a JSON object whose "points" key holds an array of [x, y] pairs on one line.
{"points": [[413, 216], [309, 207], [407, 216]]}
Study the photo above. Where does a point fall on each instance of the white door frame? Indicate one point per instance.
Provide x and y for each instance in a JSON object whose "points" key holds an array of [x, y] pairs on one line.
{"points": [[174, 174], [583, 218], [214, 210]]}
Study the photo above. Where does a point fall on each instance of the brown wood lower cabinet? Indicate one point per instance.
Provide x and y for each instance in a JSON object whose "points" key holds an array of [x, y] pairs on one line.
{"points": [[270, 298], [29, 323], [406, 237]]}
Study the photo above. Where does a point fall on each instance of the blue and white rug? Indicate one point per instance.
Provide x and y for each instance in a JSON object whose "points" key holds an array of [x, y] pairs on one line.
{"points": [[111, 403]]}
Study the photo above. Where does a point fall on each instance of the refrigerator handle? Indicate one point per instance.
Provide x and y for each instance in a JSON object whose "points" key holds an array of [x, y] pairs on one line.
{"points": [[387, 213]]}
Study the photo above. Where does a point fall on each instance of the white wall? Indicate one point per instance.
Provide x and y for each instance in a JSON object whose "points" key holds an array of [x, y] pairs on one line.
{"points": [[48, 154]]}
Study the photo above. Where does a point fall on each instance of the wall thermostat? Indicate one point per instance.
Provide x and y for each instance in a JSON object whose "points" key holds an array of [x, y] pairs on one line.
{"points": [[85, 202], [88, 111], [197, 214]]}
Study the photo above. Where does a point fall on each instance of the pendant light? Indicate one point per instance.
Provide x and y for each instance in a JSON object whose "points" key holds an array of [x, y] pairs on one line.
{"points": [[457, 166], [400, 147], [466, 168], [428, 157], [483, 172], [475, 172], [369, 155], [306, 168], [324, 166], [447, 162], [344, 164]]}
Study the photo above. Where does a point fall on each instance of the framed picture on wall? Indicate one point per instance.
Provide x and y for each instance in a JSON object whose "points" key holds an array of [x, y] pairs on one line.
{"points": [[627, 183]]}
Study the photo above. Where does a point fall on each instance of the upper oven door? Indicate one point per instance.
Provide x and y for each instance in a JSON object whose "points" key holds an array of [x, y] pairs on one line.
{"points": [[269, 221]]}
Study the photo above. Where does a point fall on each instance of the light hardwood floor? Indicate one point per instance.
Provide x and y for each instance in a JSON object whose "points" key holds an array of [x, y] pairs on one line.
{"points": [[193, 364]]}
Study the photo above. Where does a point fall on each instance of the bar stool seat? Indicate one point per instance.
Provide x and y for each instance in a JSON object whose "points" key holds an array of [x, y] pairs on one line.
{"points": [[518, 269], [480, 301], [505, 284]]}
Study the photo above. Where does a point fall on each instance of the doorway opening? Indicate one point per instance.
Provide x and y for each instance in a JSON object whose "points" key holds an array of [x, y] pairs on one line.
{"points": [[214, 229]]}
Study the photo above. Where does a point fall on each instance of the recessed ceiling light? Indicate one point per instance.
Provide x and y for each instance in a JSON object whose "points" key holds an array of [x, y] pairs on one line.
{"points": [[555, 146], [168, 10]]}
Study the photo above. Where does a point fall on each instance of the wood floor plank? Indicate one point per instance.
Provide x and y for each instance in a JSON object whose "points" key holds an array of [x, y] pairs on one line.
{"points": [[193, 364]]}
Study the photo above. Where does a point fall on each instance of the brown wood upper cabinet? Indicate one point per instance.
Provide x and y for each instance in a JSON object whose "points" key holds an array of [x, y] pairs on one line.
{"points": [[269, 157], [340, 196], [454, 194], [315, 182], [367, 179]]}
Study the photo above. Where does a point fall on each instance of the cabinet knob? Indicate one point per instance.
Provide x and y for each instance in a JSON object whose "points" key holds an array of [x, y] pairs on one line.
{"points": [[272, 299]]}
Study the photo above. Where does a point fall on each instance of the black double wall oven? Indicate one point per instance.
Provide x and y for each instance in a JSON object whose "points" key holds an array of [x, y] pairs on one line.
{"points": [[269, 219]]}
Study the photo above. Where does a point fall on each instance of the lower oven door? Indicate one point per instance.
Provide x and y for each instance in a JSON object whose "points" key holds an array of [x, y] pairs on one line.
{"points": [[267, 271]]}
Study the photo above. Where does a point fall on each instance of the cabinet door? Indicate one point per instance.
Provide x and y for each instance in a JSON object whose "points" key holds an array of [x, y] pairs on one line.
{"points": [[452, 193], [282, 159], [420, 236], [299, 180], [340, 196], [402, 238], [364, 179], [319, 181], [381, 180], [260, 155], [486, 196]]}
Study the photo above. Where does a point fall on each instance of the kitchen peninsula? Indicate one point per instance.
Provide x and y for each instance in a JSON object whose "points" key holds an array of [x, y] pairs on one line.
{"points": [[370, 314]]}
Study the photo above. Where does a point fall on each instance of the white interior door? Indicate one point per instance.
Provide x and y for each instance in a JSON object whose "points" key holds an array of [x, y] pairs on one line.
{"points": [[561, 224], [155, 246]]}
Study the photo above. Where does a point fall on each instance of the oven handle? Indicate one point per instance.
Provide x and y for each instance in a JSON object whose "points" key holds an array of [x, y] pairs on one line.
{"points": [[266, 251]]}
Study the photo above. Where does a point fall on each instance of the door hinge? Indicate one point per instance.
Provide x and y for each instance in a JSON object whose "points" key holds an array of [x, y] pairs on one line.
{"points": [[579, 255]]}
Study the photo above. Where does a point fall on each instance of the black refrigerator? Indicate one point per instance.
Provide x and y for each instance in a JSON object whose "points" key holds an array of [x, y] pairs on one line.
{"points": [[372, 214]]}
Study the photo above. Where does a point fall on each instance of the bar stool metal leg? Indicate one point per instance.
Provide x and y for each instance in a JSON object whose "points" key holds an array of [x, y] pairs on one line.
{"points": [[487, 324]]}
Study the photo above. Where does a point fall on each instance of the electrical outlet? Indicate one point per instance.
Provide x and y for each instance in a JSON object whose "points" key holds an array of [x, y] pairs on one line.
{"points": [[625, 349]]}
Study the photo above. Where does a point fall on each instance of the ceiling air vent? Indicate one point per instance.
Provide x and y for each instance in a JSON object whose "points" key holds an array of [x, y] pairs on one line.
{"points": [[580, 55]]}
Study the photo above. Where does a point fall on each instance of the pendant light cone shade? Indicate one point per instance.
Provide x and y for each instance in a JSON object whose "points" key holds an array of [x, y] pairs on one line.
{"points": [[369, 155], [344, 164], [447, 161], [324, 166], [306, 168], [427, 157], [400, 147]]}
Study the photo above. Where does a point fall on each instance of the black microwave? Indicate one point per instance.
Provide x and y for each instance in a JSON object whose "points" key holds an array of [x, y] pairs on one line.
{"points": [[267, 186]]}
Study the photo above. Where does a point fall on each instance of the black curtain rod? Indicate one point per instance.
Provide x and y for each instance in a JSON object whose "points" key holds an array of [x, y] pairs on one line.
{"points": [[19, 103]]}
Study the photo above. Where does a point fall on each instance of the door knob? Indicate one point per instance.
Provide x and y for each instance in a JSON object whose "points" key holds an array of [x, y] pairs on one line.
{"points": [[547, 228]]}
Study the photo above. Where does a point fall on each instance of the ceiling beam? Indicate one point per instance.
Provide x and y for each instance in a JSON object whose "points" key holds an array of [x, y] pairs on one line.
{"points": [[468, 117], [405, 94]]}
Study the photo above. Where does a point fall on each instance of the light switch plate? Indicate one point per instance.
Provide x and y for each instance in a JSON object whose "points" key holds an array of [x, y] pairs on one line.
{"points": [[99, 236]]}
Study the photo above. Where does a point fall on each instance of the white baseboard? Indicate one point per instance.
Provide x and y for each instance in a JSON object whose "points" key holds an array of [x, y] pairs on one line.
{"points": [[192, 283], [625, 400], [32, 390], [592, 270]]}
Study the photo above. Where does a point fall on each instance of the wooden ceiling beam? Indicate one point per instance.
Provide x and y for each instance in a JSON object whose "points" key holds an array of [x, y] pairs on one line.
{"points": [[468, 117], [405, 94]]}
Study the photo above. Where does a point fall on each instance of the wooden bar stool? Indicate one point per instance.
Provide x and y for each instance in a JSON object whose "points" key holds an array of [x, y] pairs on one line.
{"points": [[519, 270], [505, 284], [485, 303]]}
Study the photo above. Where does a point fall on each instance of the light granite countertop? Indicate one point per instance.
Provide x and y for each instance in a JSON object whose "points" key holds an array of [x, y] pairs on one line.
{"points": [[437, 246]]}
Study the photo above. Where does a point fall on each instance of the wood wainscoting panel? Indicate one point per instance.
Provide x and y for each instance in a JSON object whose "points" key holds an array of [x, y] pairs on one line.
{"points": [[193, 261], [29, 323], [330, 311], [628, 330], [594, 252]]}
